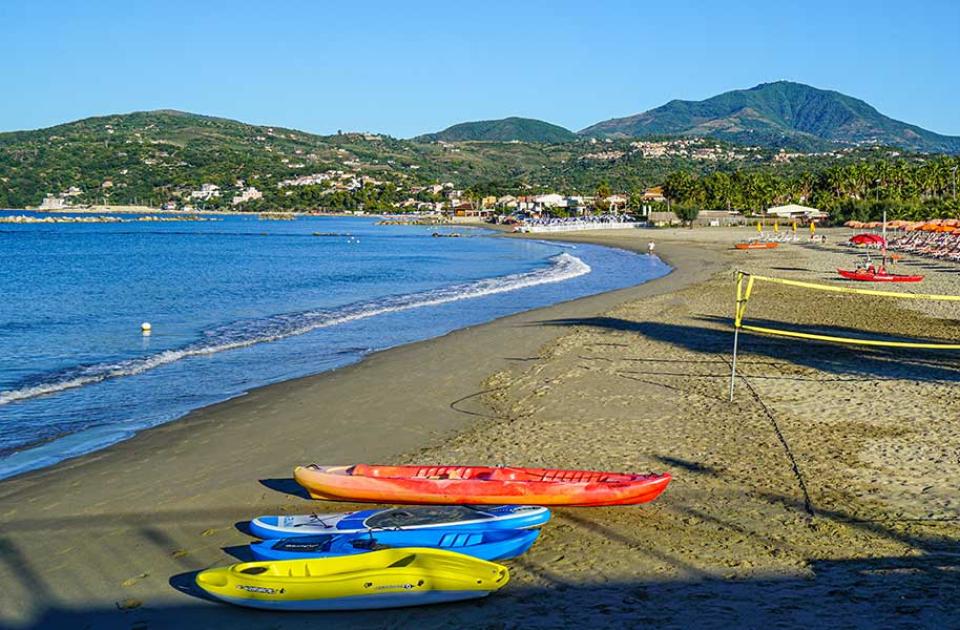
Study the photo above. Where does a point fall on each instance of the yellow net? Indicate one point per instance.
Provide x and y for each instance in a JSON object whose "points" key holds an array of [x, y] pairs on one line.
{"points": [[745, 284]]}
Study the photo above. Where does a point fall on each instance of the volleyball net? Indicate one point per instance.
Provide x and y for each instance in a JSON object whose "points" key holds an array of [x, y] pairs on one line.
{"points": [[745, 287]]}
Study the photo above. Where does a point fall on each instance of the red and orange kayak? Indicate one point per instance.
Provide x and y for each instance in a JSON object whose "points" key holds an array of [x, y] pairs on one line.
{"points": [[877, 276], [757, 245], [478, 485]]}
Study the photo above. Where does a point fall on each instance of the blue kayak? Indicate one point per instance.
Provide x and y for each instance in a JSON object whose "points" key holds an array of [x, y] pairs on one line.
{"points": [[451, 517], [491, 545]]}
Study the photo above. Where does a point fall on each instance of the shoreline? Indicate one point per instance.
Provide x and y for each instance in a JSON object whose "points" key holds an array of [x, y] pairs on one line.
{"points": [[224, 463], [255, 389], [603, 300]]}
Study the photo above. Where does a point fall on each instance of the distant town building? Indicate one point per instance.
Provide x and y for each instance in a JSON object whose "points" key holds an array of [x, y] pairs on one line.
{"points": [[616, 201], [654, 194], [248, 194], [206, 192], [795, 211], [52, 202], [550, 200]]}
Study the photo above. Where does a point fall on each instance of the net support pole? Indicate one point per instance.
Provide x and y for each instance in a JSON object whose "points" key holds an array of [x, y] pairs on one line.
{"points": [[736, 333], [733, 363]]}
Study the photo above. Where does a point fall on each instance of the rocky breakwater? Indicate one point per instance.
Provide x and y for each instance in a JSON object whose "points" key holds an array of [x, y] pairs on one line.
{"points": [[23, 218]]}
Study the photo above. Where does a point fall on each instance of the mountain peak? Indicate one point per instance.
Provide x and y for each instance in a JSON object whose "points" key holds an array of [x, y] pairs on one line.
{"points": [[510, 129], [781, 113]]}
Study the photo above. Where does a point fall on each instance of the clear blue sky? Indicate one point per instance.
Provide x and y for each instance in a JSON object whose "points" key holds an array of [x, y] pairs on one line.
{"points": [[406, 68]]}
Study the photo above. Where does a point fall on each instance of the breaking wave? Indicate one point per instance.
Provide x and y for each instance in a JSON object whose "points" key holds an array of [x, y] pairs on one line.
{"points": [[250, 332]]}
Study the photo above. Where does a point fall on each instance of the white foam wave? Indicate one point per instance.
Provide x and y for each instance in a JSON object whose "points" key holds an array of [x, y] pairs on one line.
{"points": [[248, 333]]}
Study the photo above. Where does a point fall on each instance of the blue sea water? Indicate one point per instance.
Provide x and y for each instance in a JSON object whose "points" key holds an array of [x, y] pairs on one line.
{"points": [[237, 303]]}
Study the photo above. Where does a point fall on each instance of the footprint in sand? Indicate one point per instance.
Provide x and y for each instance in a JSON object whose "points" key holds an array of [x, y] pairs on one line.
{"points": [[131, 581]]}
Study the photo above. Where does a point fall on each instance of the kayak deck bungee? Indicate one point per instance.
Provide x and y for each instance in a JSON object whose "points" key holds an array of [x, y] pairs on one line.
{"points": [[459, 517], [466, 485], [490, 545], [379, 579]]}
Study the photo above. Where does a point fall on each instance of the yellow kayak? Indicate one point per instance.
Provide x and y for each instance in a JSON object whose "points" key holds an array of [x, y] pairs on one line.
{"points": [[380, 579]]}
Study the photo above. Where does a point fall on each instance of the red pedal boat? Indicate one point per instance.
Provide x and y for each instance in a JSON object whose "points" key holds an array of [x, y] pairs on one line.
{"points": [[877, 276], [478, 485]]}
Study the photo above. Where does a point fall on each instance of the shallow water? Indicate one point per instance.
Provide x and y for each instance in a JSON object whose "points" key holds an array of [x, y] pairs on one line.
{"points": [[238, 303]]}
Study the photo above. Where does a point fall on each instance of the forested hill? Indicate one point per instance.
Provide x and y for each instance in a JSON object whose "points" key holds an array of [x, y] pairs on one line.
{"points": [[505, 130], [170, 158], [778, 114], [148, 157]]}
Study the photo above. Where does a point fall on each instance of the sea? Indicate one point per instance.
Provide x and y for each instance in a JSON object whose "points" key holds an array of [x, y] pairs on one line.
{"points": [[235, 303]]}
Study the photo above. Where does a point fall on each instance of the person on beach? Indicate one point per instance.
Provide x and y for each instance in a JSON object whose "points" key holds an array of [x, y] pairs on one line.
{"points": [[651, 246]]}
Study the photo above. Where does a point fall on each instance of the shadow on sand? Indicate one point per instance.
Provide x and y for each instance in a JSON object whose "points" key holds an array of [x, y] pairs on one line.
{"points": [[911, 590], [906, 363], [286, 485]]}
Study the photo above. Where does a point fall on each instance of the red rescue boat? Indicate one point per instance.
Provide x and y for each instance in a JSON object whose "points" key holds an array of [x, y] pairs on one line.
{"points": [[478, 485], [877, 276]]}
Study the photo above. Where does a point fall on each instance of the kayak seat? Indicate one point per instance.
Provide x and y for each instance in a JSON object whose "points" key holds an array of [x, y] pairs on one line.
{"points": [[583, 476], [443, 472]]}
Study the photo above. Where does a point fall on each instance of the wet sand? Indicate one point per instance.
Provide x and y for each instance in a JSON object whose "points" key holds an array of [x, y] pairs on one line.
{"points": [[825, 493]]}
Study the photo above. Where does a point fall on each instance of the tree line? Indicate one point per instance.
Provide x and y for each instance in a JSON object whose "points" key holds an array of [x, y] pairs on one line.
{"points": [[911, 190]]}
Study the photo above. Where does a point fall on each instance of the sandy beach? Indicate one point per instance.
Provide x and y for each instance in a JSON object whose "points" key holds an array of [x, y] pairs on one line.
{"points": [[825, 494]]}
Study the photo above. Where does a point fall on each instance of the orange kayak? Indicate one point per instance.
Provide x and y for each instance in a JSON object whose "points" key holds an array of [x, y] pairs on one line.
{"points": [[478, 485], [756, 245]]}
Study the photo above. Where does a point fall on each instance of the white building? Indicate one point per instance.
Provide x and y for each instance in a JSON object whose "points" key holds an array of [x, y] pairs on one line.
{"points": [[207, 191], [550, 200], [52, 202], [247, 194], [793, 210]]}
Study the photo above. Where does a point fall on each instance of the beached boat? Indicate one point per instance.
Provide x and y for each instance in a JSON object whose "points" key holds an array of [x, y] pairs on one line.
{"points": [[461, 518], [464, 485], [757, 245], [380, 579], [877, 276], [492, 545]]}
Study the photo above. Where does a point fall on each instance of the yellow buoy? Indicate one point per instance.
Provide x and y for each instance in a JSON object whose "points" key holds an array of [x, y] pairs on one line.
{"points": [[146, 328]]}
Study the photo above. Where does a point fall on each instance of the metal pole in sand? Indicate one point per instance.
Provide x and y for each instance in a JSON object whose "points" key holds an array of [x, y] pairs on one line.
{"points": [[733, 364], [736, 333]]}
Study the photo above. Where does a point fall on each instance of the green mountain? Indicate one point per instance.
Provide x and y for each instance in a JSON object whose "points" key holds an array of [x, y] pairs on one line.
{"points": [[159, 156], [505, 130], [781, 114]]}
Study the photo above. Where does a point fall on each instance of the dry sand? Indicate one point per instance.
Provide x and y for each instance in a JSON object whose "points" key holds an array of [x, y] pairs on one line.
{"points": [[825, 494]]}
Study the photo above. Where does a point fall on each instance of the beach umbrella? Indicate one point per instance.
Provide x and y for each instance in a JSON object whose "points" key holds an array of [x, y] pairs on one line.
{"points": [[867, 239], [759, 229], [813, 228], [776, 226], [794, 227]]}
